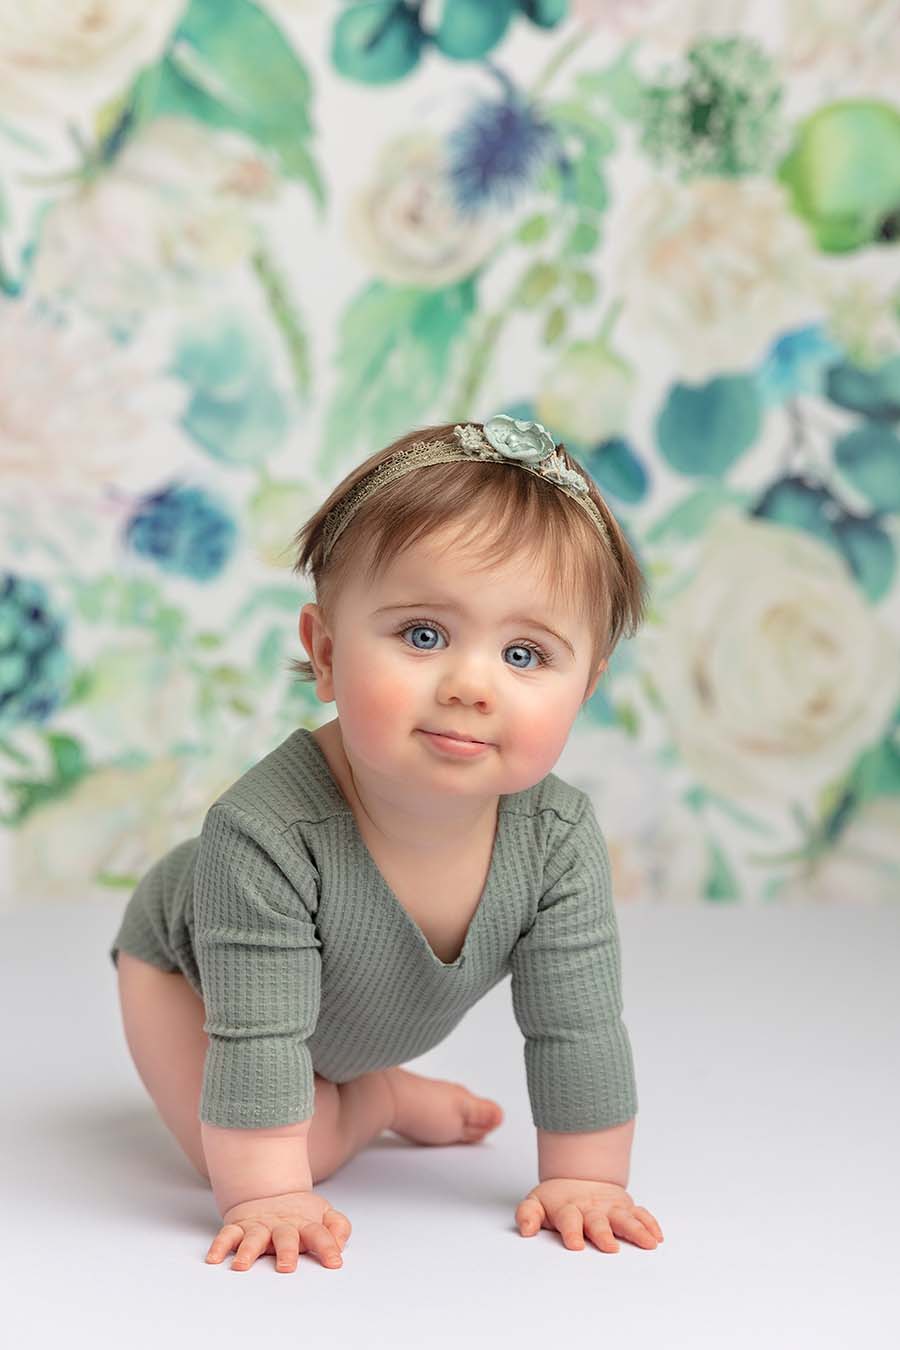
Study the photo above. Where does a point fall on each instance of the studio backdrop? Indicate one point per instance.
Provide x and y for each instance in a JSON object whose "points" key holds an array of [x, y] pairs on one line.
{"points": [[244, 245]]}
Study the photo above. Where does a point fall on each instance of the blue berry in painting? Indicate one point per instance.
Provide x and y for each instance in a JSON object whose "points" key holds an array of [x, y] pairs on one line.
{"points": [[183, 531], [34, 665]]}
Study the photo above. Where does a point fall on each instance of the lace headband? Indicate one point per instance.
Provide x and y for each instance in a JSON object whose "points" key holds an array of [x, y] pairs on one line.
{"points": [[504, 439]]}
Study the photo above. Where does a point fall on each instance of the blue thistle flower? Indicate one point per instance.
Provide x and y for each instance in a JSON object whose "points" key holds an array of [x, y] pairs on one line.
{"points": [[496, 151]]}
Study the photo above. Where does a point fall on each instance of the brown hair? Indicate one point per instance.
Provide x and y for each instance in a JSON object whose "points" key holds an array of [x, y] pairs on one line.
{"points": [[499, 504]]}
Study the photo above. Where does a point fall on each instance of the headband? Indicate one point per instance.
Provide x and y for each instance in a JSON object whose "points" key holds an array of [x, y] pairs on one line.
{"points": [[506, 440]]}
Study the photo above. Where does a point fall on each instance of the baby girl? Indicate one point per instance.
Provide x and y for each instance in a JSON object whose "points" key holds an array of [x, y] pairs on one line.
{"points": [[363, 885]]}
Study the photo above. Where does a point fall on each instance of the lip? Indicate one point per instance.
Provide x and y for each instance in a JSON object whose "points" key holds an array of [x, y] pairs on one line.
{"points": [[453, 736], [461, 749]]}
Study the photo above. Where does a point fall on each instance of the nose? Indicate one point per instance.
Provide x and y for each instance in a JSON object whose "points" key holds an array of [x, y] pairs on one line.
{"points": [[465, 680]]}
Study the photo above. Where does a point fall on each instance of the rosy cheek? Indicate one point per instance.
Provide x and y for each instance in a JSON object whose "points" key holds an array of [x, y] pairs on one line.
{"points": [[375, 699], [541, 736]]}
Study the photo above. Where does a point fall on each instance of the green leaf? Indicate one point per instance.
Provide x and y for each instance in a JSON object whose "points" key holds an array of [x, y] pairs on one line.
{"points": [[873, 392], [555, 325], [230, 66], [469, 29], [870, 552], [269, 653], [393, 356], [235, 413], [279, 598], [70, 764], [545, 13], [587, 185], [703, 429], [533, 230], [617, 470], [691, 516], [721, 882], [283, 310], [376, 43], [627, 718], [869, 458], [595, 136], [618, 84], [583, 239], [877, 772], [583, 286], [539, 281]]}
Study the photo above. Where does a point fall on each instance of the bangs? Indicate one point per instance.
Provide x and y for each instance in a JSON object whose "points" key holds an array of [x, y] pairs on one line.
{"points": [[491, 514]]}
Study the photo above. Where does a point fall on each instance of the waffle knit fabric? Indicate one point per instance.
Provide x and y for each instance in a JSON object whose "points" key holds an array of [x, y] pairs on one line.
{"points": [[307, 962]]}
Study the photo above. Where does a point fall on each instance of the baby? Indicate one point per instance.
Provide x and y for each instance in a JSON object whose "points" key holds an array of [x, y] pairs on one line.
{"points": [[355, 892]]}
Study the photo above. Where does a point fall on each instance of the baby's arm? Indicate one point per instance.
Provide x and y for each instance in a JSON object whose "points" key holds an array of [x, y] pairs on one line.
{"points": [[262, 1183], [257, 953], [566, 987], [246, 1164], [594, 1155]]}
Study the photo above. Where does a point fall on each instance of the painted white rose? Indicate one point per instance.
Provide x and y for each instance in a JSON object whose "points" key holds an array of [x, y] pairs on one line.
{"points": [[667, 25], [405, 222], [271, 516], [773, 670], [118, 821], [863, 867], [60, 61], [78, 410], [586, 394], [860, 298], [168, 217], [656, 849], [855, 47], [713, 269]]}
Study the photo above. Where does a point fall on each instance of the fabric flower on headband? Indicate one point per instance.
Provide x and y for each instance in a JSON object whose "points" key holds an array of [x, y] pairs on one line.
{"points": [[526, 443]]}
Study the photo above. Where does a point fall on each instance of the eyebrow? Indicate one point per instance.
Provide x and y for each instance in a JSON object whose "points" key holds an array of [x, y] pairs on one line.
{"points": [[460, 609]]}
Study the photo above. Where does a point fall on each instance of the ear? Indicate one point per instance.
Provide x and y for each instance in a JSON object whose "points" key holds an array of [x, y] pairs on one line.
{"points": [[595, 681], [319, 646]]}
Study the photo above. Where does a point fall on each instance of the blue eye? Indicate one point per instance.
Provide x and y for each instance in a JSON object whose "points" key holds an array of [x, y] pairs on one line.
{"points": [[428, 625]]}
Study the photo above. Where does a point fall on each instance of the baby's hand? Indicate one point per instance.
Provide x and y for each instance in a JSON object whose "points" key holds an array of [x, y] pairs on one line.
{"points": [[599, 1208], [286, 1224]]}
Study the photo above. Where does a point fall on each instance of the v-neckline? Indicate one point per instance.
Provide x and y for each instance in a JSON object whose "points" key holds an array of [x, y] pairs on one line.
{"points": [[337, 794]]}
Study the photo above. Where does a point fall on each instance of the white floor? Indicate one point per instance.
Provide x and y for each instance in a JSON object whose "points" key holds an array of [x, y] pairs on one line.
{"points": [[766, 1047]]}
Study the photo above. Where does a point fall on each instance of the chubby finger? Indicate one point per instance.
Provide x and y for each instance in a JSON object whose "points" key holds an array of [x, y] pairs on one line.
{"points": [[649, 1222], [570, 1222], [339, 1226], [598, 1229], [256, 1240], [628, 1225], [529, 1216], [226, 1238], [286, 1241], [322, 1241]]}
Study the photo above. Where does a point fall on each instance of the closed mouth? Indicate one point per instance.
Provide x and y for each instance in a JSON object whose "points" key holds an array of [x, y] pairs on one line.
{"points": [[453, 736]]}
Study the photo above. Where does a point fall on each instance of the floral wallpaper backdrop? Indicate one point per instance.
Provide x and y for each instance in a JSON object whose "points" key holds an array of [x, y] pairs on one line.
{"points": [[242, 245]]}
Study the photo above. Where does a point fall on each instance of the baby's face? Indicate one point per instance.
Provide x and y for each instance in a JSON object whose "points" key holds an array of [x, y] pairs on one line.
{"points": [[436, 646]]}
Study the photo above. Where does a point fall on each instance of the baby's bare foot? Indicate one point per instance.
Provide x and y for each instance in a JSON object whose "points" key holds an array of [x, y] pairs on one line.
{"points": [[434, 1111]]}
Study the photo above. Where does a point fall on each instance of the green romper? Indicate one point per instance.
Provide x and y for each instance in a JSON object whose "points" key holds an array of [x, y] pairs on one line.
{"points": [[307, 962]]}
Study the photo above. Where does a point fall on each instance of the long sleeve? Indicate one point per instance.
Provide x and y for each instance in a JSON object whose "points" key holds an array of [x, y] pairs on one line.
{"points": [[257, 954], [566, 991]]}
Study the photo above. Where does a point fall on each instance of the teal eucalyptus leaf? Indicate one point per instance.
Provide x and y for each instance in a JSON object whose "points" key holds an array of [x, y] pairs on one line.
{"points": [[376, 43], [704, 429]]}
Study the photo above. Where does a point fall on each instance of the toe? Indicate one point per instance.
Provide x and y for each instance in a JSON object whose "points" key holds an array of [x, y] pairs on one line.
{"points": [[482, 1115]]}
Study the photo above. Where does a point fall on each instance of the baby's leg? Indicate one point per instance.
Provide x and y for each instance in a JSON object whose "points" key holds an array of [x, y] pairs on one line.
{"points": [[163, 1019]]}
